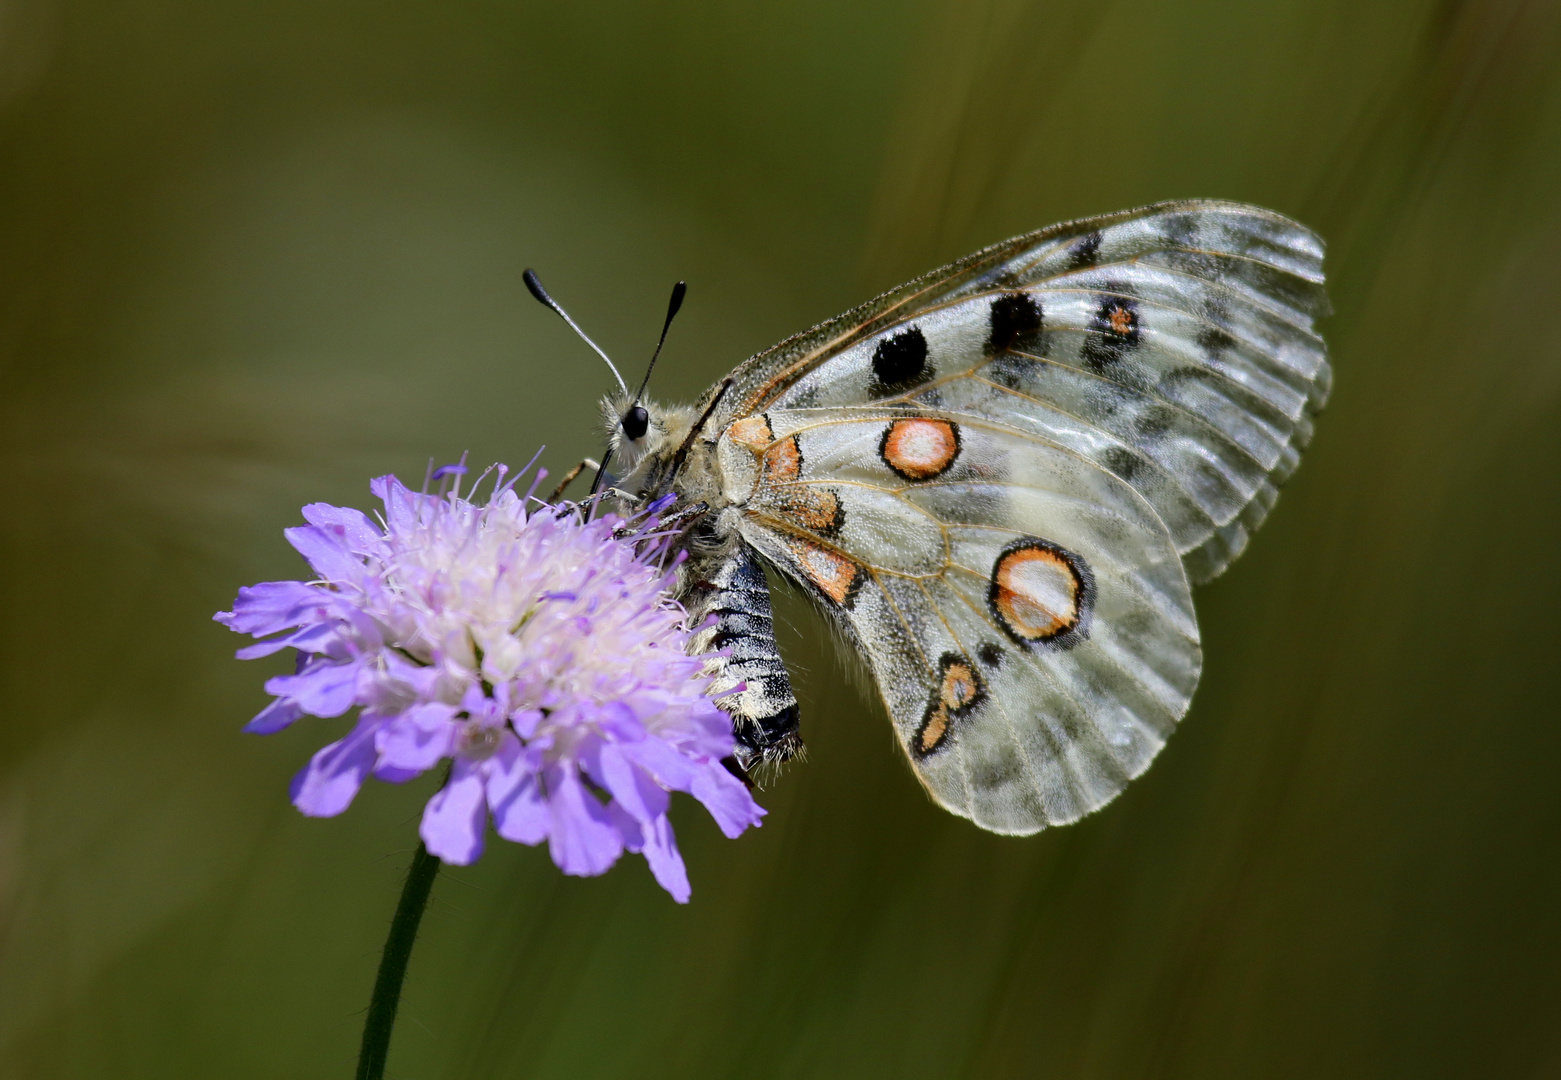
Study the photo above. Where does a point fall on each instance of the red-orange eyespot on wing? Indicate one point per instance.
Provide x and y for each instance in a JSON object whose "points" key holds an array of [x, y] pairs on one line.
{"points": [[834, 575], [1041, 593], [959, 690], [920, 448]]}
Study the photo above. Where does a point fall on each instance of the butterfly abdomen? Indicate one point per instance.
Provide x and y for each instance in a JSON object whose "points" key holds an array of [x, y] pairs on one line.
{"points": [[764, 713]]}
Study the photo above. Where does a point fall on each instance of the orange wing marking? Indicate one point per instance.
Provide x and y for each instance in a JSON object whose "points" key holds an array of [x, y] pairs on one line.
{"points": [[753, 432], [919, 448], [957, 694], [1041, 593], [834, 575]]}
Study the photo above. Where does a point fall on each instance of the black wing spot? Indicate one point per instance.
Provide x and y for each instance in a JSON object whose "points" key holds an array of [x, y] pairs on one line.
{"points": [[997, 773], [900, 361], [1014, 316], [1179, 230], [1122, 462], [1010, 370], [1215, 341], [1081, 253], [1202, 264], [1113, 332], [1114, 398], [1214, 337], [990, 653], [1154, 421]]}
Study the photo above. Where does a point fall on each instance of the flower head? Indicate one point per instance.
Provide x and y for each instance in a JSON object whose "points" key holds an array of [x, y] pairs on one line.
{"points": [[537, 650]]}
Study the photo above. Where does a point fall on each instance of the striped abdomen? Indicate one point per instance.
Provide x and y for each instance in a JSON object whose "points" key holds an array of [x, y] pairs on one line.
{"points": [[764, 715]]}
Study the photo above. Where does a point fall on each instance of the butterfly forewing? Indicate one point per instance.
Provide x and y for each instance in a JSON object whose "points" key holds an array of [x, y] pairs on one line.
{"points": [[1172, 346]]}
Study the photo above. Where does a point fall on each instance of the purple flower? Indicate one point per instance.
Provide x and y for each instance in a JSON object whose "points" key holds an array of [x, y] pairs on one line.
{"points": [[539, 652]]}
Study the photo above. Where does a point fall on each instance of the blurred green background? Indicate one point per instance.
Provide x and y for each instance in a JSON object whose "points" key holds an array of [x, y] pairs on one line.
{"points": [[255, 253]]}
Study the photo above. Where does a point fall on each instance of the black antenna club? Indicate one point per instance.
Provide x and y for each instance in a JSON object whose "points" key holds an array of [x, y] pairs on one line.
{"points": [[534, 286]]}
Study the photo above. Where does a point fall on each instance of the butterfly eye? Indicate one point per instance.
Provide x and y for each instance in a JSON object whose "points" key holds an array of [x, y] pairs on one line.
{"points": [[635, 422]]}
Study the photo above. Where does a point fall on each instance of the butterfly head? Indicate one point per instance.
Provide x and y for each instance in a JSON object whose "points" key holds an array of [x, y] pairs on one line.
{"points": [[647, 442], [641, 430]]}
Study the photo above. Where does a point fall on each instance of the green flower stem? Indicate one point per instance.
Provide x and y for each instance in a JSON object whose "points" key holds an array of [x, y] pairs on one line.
{"points": [[393, 965]]}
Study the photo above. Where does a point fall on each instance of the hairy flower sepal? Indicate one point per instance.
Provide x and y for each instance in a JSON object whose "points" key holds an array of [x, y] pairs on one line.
{"points": [[535, 649]]}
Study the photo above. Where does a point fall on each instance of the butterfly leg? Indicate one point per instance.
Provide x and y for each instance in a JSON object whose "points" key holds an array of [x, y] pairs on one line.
{"points": [[764, 714], [569, 478]]}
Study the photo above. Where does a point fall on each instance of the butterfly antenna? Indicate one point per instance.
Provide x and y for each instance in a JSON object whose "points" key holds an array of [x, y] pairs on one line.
{"points": [[535, 286], [678, 292]]}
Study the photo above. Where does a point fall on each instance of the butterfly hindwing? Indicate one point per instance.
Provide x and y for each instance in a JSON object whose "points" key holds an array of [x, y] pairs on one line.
{"points": [[1023, 611]]}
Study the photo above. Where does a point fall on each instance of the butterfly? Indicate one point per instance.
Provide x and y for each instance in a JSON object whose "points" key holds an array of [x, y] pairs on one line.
{"points": [[999, 482]]}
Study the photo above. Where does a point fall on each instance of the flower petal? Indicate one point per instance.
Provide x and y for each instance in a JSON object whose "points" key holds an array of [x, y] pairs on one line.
{"points": [[321, 689], [727, 799], [699, 728], [628, 828], [581, 836], [270, 606], [363, 624], [502, 657], [400, 503], [666, 862], [671, 769], [454, 819], [325, 787], [617, 720], [326, 553], [525, 722], [632, 787], [274, 717], [311, 639], [416, 739], [352, 527], [476, 704], [420, 679], [515, 794]]}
